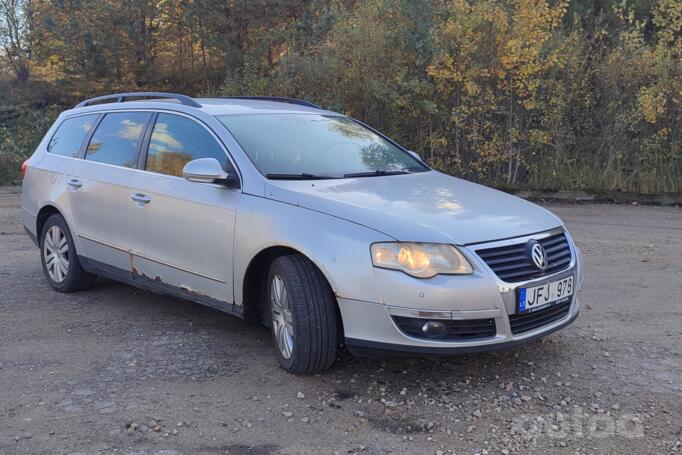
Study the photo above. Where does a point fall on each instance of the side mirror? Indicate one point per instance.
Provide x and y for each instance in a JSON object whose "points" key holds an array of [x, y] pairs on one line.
{"points": [[205, 170], [416, 155]]}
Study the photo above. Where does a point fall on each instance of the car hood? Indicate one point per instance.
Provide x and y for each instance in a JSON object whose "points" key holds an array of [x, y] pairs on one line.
{"points": [[421, 207]]}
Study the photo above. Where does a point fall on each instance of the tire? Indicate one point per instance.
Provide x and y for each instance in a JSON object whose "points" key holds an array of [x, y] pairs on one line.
{"points": [[311, 315], [64, 271]]}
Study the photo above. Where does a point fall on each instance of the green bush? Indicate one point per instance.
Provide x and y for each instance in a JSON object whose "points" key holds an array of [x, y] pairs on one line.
{"points": [[21, 130]]}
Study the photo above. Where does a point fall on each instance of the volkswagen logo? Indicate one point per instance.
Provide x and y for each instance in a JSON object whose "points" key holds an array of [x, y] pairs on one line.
{"points": [[538, 255]]}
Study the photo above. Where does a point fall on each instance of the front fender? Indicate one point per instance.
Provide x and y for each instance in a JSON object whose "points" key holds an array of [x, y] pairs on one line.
{"points": [[339, 248]]}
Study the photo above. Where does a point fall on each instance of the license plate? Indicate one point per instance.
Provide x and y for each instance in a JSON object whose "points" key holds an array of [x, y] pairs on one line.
{"points": [[543, 296]]}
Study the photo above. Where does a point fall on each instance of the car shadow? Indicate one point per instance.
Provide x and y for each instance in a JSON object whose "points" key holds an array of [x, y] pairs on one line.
{"points": [[238, 339]]}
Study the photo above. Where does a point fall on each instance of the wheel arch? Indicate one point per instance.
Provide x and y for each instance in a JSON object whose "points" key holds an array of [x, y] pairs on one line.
{"points": [[255, 281], [44, 213]]}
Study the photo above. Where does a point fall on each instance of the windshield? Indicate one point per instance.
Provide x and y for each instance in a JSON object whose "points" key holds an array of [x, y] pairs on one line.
{"points": [[316, 146]]}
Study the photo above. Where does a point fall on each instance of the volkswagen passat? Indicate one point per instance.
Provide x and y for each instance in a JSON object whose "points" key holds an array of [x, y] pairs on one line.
{"points": [[311, 222]]}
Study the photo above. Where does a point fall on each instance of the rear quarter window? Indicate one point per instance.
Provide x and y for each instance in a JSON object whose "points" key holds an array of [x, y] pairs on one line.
{"points": [[68, 138]]}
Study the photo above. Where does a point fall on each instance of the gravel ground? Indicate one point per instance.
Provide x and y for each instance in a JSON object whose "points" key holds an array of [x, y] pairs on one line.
{"points": [[119, 370]]}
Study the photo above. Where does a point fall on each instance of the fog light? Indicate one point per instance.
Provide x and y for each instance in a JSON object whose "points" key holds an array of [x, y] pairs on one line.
{"points": [[434, 329]]}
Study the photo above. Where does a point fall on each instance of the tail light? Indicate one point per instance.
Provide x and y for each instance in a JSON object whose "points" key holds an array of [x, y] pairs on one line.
{"points": [[24, 165]]}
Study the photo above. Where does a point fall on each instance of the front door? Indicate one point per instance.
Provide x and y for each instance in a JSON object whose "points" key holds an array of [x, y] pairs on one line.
{"points": [[182, 231]]}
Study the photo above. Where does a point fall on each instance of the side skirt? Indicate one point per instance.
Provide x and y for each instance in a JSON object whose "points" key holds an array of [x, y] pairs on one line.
{"points": [[143, 282]]}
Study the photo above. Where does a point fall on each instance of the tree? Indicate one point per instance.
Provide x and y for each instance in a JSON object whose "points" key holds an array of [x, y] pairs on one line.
{"points": [[14, 35], [544, 94]]}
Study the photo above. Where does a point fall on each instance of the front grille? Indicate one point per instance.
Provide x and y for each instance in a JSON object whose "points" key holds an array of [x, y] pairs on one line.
{"points": [[512, 264], [521, 323], [461, 329]]}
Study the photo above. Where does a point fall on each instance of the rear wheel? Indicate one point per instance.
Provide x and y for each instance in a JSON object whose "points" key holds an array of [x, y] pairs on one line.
{"points": [[302, 315], [59, 258]]}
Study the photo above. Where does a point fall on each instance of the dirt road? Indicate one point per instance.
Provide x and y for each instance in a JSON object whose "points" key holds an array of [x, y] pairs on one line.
{"points": [[119, 370]]}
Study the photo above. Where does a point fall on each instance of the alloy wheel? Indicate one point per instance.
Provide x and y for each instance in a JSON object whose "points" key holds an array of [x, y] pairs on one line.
{"points": [[56, 254], [282, 321]]}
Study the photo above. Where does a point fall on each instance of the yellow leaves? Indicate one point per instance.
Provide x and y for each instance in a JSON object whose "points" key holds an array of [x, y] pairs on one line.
{"points": [[437, 141], [486, 40], [446, 69], [534, 21], [668, 20], [652, 103], [539, 137], [471, 88], [663, 133], [400, 103]]}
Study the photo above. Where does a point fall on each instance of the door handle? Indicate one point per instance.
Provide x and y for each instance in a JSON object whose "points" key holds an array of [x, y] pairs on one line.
{"points": [[141, 198], [74, 183]]}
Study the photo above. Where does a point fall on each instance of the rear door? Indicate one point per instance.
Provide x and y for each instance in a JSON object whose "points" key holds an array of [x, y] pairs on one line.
{"points": [[182, 231], [49, 171], [99, 188]]}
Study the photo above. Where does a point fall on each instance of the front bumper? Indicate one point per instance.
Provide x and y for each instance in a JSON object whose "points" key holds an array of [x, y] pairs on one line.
{"points": [[371, 328]]}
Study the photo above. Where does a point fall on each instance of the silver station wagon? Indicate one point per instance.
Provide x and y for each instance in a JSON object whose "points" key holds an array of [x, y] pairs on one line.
{"points": [[306, 220]]}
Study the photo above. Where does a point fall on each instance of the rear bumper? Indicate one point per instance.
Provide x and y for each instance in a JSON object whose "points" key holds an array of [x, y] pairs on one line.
{"points": [[29, 221]]}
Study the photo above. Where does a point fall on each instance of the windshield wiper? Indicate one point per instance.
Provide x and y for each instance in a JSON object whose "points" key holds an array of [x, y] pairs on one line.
{"points": [[374, 173], [301, 176]]}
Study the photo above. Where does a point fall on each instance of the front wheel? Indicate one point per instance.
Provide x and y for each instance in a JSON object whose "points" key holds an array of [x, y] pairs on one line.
{"points": [[302, 314]]}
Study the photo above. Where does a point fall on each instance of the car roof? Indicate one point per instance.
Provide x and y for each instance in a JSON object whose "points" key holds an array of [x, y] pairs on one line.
{"points": [[225, 106], [211, 106]]}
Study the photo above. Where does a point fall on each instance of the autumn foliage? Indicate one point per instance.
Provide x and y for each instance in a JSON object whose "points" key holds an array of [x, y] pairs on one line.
{"points": [[541, 94]]}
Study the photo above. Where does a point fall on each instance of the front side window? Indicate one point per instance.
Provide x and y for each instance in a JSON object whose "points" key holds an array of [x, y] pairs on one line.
{"points": [[177, 140], [116, 139], [69, 136], [282, 145]]}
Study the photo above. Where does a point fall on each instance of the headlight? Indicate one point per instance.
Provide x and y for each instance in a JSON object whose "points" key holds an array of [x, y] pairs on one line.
{"points": [[421, 260]]}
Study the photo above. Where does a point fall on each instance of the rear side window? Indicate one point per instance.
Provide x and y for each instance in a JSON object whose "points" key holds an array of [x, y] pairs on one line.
{"points": [[70, 135], [177, 140], [116, 139]]}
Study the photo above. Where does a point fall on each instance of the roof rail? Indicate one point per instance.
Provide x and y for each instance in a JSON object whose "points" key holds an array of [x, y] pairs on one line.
{"points": [[121, 97], [278, 99]]}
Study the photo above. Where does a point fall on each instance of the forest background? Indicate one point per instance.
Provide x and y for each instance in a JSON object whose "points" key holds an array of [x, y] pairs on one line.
{"points": [[518, 94]]}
